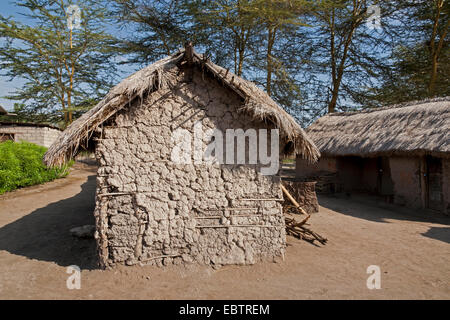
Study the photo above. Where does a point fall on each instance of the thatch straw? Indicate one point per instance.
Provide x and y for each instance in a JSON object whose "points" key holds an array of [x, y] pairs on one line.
{"points": [[416, 128], [156, 76]]}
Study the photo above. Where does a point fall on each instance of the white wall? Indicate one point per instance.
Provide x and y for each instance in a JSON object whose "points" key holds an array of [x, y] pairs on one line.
{"points": [[42, 136]]}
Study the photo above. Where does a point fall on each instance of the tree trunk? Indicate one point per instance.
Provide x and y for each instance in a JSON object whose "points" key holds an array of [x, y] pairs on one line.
{"points": [[434, 70], [270, 42], [241, 61], [333, 102]]}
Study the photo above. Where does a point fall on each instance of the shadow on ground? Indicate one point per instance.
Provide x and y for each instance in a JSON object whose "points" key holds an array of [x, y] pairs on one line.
{"points": [[438, 233], [44, 233], [369, 208]]}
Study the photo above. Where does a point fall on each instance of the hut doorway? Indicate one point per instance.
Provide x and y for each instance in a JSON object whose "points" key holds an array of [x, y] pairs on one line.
{"points": [[434, 183], [385, 184]]}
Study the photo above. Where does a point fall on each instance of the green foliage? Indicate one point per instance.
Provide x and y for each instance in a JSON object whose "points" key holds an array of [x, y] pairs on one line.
{"points": [[23, 114], [410, 76], [157, 28], [64, 70], [421, 60], [21, 165]]}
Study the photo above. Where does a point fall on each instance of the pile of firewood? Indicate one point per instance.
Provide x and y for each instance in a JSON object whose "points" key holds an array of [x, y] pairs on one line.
{"points": [[297, 228]]}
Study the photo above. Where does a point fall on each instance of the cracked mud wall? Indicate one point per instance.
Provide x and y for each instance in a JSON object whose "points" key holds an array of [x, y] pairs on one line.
{"points": [[154, 211]]}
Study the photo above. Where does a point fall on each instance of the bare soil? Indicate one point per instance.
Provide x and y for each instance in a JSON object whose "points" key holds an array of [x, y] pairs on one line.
{"points": [[411, 248]]}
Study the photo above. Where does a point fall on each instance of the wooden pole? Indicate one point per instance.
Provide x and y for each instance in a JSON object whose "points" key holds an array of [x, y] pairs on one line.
{"points": [[189, 53], [294, 202]]}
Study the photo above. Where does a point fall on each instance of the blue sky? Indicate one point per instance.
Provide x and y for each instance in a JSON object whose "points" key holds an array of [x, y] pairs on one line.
{"points": [[8, 9]]}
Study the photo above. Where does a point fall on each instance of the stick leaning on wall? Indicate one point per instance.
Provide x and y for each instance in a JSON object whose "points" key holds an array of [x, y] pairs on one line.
{"points": [[298, 229]]}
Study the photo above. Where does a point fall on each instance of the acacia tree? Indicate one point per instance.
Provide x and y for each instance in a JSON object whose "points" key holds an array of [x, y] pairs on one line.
{"points": [[432, 18], [345, 57], [154, 28], [64, 54], [421, 59], [276, 19], [312, 57], [441, 23], [228, 29], [339, 49], [339, 24]]}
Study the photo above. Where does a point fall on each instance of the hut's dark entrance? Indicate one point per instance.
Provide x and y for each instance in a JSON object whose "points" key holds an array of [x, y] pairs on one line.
{"points": [[6, 136], [385, 185], [434, 183]]}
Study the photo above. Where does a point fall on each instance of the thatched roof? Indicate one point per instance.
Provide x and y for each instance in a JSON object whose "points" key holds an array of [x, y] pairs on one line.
{"points": [[154, 77], [419, 128], [3, 111]]}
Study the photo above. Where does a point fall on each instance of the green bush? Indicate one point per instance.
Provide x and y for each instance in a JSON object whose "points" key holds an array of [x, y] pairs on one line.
{"points": [[21, 165]]}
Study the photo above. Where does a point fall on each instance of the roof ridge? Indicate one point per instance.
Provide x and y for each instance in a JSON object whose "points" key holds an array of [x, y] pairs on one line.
{"points": [[393, 106], [156, 76]]}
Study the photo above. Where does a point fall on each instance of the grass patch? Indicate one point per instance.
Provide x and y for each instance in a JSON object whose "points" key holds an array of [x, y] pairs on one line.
{"points": [[21, 166], [288, 161]]}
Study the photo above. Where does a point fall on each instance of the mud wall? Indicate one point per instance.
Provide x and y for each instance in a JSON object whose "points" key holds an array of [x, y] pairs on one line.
{"points": [[446, 184], [152, 210], [304, 193], [405, 173], [304, 169]]}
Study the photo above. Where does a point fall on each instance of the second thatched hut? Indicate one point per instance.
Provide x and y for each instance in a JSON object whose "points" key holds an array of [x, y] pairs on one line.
{"points": [[400, 152]]}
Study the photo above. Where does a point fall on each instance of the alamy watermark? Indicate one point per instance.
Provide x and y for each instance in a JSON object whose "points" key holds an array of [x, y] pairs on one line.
{"points": [[373, 22], [221, 147], [73, 17], [74, 280], [374, 280]]}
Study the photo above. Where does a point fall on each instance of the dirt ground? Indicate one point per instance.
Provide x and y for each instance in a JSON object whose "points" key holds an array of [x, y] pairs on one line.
{"points": [[412, 249]]}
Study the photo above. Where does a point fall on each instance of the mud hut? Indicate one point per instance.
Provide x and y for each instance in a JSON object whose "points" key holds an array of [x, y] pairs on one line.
{"points": [[152, 208], [400, 152]]}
